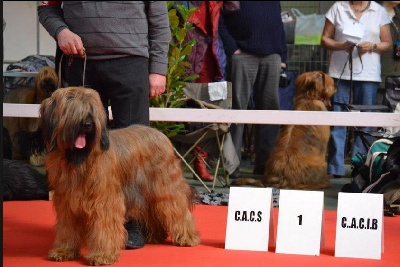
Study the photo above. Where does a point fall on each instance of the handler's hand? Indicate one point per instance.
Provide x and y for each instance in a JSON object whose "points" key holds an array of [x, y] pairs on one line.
{"points": [[365, 47], [70, 43], [348, 46], [157, 84]]}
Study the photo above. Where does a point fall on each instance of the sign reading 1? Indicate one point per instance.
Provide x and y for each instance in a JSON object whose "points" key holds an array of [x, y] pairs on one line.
{"points": [[300, 222], [300, 219]]}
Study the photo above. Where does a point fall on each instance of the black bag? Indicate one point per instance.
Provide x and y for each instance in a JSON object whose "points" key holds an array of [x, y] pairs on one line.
{"points": [[392, 87], [396, 50], [288, 24], [287, 89]]}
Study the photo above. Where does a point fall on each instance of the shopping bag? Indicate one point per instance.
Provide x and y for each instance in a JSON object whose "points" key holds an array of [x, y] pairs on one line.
{"points": [[308, 29]]}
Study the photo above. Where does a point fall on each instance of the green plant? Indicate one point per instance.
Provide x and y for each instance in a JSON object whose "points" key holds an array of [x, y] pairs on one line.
{"points": [[178, 63]]}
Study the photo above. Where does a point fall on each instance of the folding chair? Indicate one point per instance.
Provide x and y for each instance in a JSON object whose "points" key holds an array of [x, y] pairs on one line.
{"points": [[214, 138], [391, 103]]}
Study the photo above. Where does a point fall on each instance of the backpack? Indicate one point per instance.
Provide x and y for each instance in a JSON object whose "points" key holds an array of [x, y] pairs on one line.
{"points": [[378, 172], [368, 169]]}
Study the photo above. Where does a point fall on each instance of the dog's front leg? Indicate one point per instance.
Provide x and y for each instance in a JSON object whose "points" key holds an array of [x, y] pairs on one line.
{"points": [[66, 245], [106, 235]]}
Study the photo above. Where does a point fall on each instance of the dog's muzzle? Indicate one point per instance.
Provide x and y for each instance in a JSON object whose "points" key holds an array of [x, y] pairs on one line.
{"points": [[80, 141]]}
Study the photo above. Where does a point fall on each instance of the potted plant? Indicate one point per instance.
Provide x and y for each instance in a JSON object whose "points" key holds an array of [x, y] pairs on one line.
{"points": [[178, 63]]}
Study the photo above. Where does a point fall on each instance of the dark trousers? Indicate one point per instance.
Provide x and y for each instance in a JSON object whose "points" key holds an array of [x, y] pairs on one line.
{"points": [[122, 83], [258, 75]]}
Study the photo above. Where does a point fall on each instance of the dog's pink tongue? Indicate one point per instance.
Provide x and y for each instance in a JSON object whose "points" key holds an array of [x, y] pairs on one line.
{"points": [[80, 142]]}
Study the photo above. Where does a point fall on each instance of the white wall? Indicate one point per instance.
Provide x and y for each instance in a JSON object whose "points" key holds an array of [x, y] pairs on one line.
{"points": [[23, 35]]}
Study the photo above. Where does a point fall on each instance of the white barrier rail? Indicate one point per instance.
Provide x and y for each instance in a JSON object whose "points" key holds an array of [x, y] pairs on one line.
{"points": [[371, 119]]}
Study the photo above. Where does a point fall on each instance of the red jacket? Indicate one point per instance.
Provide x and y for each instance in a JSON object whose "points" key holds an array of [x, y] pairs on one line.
{"points": [[208, 57]]}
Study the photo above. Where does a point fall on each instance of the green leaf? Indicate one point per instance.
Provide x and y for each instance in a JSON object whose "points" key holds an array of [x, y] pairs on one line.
{"points": [[178, 65]]}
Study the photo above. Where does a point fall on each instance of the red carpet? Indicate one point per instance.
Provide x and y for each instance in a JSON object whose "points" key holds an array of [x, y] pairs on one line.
{"points": [[28, 234]]}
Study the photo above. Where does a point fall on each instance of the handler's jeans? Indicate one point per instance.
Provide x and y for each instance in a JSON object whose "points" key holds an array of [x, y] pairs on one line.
{"points": [[364, 93]]}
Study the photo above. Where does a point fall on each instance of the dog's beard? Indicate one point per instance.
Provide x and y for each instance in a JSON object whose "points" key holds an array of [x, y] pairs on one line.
{"points": [[77, 156]]}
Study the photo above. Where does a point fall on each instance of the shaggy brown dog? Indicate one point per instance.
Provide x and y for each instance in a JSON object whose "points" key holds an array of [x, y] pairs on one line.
{"points": [[299, 157], [46, 82], [103, 178]]}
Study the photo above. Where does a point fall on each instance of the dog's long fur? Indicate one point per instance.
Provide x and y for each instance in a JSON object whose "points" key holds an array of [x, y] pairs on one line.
{"points": [[21, 130], [21, 181], [115, 176], [299, 157]]}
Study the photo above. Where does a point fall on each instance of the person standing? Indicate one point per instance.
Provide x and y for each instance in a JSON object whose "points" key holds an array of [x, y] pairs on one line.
{"points": [[119, 49], [390, 61], [124, 45], [254, 42], [357, 32]]}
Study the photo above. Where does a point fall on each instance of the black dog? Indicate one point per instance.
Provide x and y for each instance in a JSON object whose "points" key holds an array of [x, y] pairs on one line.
{"points": [[7, 146], [23, 182]]}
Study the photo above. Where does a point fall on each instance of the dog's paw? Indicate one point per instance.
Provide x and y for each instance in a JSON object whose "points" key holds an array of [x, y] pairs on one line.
{"points": [[97, 259], [62, 254], [37, 159], [190, 241]]}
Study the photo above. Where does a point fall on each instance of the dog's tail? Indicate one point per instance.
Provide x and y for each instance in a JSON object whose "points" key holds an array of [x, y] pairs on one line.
{"points": [[247, 181]]}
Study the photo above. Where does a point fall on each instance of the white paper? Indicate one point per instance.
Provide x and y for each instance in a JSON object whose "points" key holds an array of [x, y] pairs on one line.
{"points": [[300, 222], [249, 219], [218, 91], [354, 31], [359, 226]]}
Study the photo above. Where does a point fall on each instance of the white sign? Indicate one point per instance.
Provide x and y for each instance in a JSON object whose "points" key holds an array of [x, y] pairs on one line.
{"points": [[250, 219], [300, 222], [359, 226]]}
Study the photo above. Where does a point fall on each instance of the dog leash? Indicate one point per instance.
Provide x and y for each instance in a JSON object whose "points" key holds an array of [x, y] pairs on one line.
{"points": [[70, 61]]}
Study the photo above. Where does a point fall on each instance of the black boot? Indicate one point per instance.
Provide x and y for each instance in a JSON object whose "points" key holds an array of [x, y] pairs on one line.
{"points": [[136, 235]]}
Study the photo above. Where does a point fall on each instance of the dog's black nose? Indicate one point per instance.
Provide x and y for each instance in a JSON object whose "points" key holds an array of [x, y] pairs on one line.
{"points": [[87, 125]]}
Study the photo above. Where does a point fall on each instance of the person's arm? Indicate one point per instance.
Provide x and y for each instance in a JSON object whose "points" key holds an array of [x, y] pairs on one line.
{"points": [[284, 50], [328, 41], [159, 39], [52, 19], [159, 36], [382, 47], [228, 41]]}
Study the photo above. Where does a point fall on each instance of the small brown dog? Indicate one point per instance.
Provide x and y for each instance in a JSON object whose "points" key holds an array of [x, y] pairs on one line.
{"points": [[102, 178], [299, 157], [46, 82]]}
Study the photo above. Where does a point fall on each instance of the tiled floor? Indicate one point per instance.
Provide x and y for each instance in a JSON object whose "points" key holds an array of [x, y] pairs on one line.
{"points": [[330, 194]]}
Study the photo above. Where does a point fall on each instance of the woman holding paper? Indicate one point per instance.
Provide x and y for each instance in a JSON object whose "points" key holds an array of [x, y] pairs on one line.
{"points": [[356, 33]]}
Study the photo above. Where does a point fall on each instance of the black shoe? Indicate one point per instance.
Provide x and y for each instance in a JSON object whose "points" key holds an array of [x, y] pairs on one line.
{"points": [[136, 235], [235, 174], [333, 176], [259, 170]]}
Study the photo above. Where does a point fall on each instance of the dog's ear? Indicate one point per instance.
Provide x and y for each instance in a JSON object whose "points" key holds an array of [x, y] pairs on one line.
{"points": [[308, 84], [329, 86], [316, 85], [104, 140], [100, 117], [46, 123]]}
